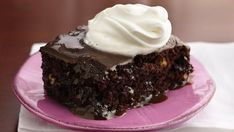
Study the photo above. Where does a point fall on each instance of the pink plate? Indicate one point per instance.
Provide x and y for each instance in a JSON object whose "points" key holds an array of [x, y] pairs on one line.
{"points": [[180, 106]]}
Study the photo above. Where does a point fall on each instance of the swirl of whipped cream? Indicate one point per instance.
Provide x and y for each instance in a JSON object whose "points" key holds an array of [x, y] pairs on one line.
{"points": [[129, 30]]}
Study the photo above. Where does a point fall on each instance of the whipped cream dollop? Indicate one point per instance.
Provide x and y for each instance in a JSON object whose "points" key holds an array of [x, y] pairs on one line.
{"points": [[129, 30]]}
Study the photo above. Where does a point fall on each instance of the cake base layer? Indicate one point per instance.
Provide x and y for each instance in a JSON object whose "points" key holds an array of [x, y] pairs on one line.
{"points": [[89, 87]]}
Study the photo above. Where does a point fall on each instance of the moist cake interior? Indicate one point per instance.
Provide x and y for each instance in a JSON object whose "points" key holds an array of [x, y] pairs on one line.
{"points": [[98, 85]]}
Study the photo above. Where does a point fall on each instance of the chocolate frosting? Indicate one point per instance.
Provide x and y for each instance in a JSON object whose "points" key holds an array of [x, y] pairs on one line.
{"points": [[71, 46]]}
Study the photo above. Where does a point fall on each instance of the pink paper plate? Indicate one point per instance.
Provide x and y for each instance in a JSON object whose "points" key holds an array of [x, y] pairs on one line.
{"points": [[180, 106]]}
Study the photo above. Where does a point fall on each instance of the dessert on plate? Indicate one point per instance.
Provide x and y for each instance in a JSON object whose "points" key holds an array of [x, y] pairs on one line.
{"points": [[125, 58]]}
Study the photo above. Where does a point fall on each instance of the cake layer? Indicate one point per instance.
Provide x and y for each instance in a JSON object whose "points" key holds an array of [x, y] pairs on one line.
{"points": [[100, 85]]}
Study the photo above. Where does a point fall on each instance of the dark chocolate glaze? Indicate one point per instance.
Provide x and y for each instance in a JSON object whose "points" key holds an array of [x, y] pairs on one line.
{"points": [[74, 47], [69, 47]]}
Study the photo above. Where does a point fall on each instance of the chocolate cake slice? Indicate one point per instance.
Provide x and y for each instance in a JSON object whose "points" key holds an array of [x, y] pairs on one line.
{"points": [[100, 85]]}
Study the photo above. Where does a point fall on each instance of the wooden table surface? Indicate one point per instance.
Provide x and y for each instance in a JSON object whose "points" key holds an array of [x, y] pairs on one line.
{"points": [[23, 22]]}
